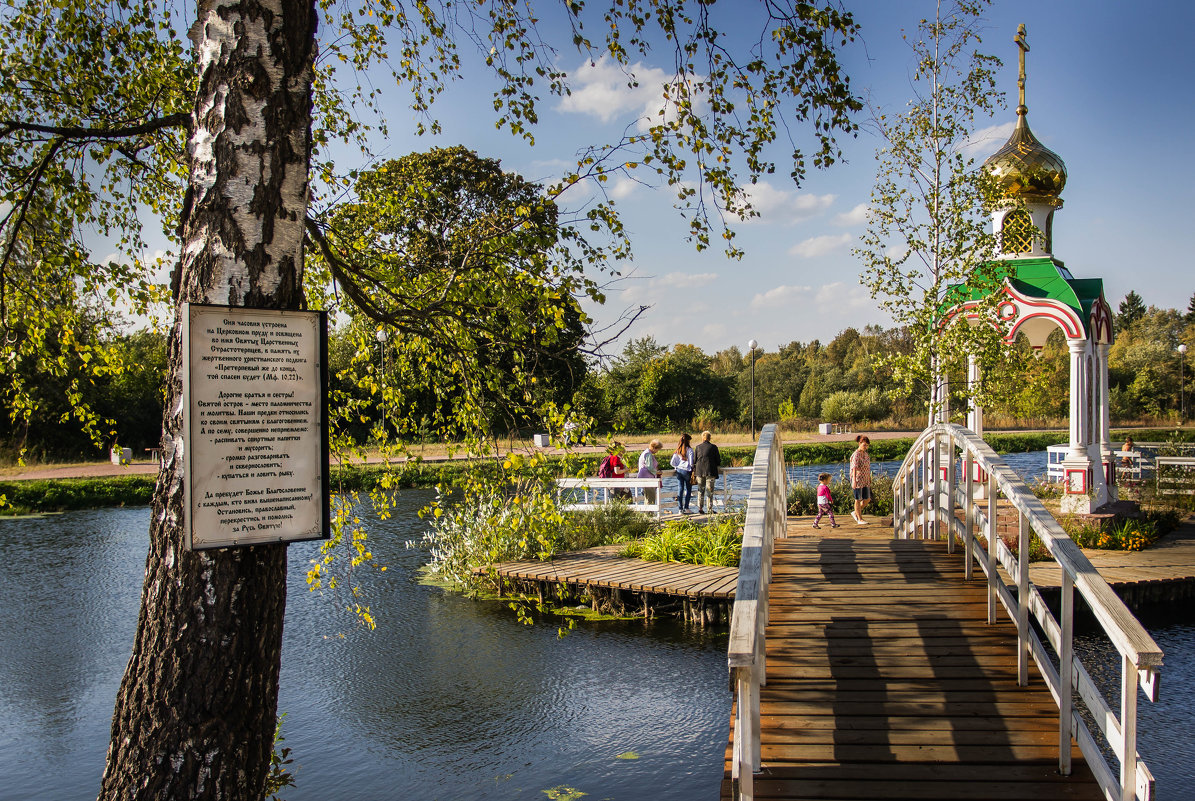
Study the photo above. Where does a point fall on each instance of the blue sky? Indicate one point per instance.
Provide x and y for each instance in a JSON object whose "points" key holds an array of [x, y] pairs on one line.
{"points": [[1109, 90]]}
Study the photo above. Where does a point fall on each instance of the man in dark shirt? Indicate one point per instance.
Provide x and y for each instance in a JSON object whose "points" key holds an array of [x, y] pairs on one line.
{"points": [[707, 460]]}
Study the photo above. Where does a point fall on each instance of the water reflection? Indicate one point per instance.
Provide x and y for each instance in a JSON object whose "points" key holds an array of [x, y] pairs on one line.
{"points": [[1165, 729], [449, 698]]}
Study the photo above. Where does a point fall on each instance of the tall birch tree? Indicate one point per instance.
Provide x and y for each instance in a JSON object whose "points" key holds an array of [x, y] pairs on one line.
{"points": [[927, 222]]}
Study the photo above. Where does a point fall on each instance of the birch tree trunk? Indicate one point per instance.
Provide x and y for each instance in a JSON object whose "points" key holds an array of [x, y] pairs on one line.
{"points": [[196, 709]]}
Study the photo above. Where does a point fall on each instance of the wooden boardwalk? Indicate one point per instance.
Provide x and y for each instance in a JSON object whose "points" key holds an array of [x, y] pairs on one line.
{"points": [[884, 681], [603, 567]]}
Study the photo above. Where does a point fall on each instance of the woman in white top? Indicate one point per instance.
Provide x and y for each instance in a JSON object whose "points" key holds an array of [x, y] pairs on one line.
{"points": [[682, 461], [649, 467]]}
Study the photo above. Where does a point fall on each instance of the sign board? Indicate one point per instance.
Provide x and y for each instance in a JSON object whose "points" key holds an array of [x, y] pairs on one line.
{"points": [[254, 426]]}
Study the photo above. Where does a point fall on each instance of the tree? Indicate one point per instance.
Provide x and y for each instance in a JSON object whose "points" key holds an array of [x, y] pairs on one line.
{"points": [[196, 708], [927, 224], [96, 101], [469, 271], [1131, 309], [1190, 316]]}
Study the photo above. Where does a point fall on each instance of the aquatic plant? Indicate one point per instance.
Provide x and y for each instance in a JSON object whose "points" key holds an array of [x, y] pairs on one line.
{"points": [[718, 542]]}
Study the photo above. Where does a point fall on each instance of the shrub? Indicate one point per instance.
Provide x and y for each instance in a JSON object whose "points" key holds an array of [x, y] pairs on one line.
{"points": [[480, 528], [1129, 535], [802, 497]]}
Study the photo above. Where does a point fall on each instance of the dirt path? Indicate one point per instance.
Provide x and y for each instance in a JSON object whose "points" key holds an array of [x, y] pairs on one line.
{"points": [[432, 453]]}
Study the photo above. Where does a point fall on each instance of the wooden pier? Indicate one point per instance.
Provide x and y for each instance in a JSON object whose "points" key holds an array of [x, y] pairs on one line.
{"points": [[612, 583], [884, 681]]}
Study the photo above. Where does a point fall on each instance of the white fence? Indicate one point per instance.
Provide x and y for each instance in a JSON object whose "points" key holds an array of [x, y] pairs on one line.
{"points": [[590, 493], [927, 492], [767, 510]]}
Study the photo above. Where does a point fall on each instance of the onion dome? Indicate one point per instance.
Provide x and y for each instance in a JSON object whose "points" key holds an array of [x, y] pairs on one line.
{"points": [[1024, 167]]}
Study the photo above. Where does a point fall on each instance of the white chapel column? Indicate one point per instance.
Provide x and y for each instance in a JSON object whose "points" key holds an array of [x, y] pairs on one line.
{"points": [[974, 411]]}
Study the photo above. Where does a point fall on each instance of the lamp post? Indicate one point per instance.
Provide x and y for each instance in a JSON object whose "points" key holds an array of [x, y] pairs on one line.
{"points": [[1182, 383], [753, 345], [382, 335]]}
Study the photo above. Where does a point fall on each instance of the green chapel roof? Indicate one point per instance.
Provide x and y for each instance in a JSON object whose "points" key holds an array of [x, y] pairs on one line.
{"points": [[1040, 277]]}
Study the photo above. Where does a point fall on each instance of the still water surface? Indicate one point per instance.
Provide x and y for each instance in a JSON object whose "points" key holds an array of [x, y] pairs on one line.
{"points": [[447, 699]]}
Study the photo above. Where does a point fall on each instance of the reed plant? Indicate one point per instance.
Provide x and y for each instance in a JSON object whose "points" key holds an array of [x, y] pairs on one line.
{"points": [[718, 542]]}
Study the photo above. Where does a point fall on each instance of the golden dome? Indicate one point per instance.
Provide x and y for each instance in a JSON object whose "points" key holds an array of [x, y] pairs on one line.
{"points": [[1025, 167]]}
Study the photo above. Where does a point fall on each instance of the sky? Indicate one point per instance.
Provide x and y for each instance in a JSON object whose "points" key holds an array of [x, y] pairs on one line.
{"points": [[1109, 90]]}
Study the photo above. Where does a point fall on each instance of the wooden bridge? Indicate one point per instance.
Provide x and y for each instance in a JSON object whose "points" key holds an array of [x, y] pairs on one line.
{"points": [[890, 667]]}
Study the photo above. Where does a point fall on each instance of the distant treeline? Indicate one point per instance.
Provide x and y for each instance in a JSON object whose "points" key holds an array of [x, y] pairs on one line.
{"points": [[652, 388]]}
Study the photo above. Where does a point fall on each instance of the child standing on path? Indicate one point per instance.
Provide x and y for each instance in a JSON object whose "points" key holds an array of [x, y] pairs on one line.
{"points": [[825, 503]]}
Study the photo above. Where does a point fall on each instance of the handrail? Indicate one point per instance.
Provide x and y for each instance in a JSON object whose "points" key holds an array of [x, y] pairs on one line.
{"points": [[767, 510], [926, 492]]}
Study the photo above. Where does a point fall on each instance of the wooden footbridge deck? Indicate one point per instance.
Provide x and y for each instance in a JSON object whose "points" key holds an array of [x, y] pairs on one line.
{"points": [[885, 681], [902, 666]]}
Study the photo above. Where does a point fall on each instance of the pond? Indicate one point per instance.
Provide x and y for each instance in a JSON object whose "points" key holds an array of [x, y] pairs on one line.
{"points": [[447, 699]]}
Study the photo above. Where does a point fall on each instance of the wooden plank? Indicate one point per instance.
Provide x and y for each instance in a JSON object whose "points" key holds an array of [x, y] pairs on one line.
{"points": [[886, 681]]}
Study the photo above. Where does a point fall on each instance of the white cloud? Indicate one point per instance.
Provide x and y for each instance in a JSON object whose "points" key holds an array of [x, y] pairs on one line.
{"points": [[784, 206], [781, 296], [819, 245], [622, 188], [681, 280], [856, 216], [606, 90], [987, 141], [715, 332], [840, 295]]}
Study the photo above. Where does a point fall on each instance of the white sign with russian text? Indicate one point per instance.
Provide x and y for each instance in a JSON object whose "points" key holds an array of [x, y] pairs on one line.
{"points": [[254, 428]]}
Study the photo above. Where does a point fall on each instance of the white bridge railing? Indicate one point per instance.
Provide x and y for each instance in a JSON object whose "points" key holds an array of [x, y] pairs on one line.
{"points": [[767, 510], [590, 493], [931, 500]]}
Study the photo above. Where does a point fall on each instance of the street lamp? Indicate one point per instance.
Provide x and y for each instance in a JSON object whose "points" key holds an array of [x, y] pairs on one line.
{"points": [[1182, 383], [382, 335], [753, 345]]}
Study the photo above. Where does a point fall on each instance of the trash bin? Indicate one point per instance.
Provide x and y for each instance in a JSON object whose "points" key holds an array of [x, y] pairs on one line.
{"points": [[542, 440], [824, 428]]}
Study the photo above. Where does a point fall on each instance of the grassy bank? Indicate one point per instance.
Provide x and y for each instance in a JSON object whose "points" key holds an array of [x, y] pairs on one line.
{"points": [[58, 495], [65, 494]]}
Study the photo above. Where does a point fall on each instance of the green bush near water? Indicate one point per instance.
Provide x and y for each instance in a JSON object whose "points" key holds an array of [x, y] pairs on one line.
{"points": [[802, 497], [718, 542]]}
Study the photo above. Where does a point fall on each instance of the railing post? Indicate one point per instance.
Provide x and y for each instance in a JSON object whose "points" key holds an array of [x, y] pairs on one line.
{"points": [[992, 536], [1128, 725], [1065, 672], [919, 497], [969, 514], [935, 508], [1022, 600], [951, 485], [911, 500]]}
